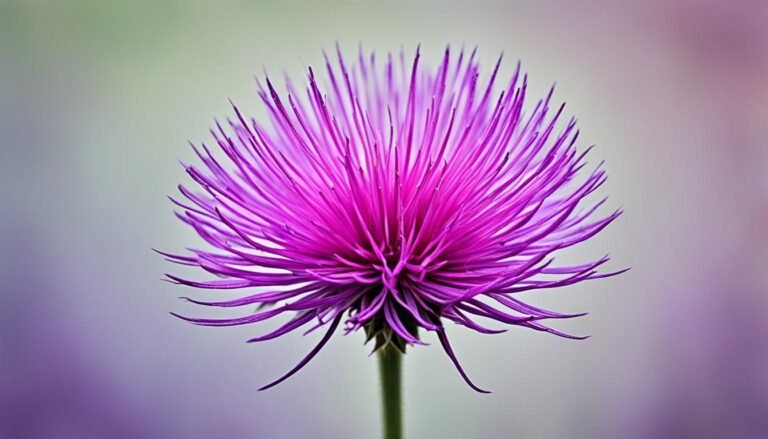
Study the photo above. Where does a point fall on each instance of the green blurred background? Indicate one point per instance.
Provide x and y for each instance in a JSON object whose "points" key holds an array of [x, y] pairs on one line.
{"points": [[98, 100]]}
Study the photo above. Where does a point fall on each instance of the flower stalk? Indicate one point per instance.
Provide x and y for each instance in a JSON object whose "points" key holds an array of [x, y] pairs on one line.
{"points": [[390, 376]]}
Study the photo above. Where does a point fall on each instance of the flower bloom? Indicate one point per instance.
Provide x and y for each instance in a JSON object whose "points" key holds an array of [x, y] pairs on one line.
{"points": [[397, 199]]}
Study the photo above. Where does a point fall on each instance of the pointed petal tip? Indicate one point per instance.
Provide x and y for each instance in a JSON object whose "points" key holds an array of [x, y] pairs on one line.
{"points": [[266, 387], [179, 316], [616, 273], [449, 351], [171, 279], [304, 361]]}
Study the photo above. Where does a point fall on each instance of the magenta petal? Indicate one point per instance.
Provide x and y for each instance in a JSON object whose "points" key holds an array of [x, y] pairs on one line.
{"points": [[309, 356], [447, 347]]}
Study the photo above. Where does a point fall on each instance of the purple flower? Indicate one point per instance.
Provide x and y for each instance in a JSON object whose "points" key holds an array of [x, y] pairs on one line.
{"points": [[394, 199]]}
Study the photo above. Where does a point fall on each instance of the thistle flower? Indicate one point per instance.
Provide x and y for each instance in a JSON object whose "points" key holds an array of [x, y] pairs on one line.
{"points": [[395, 199]]}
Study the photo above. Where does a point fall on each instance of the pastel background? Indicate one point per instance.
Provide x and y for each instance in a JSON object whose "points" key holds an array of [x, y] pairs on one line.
{"points": [[98, 99]]}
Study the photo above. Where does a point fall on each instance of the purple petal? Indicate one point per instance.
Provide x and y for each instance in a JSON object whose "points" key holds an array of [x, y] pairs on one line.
{"points": [[309, 356]]}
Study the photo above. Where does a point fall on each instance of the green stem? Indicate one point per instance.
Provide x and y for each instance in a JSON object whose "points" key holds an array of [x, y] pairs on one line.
{"points": [[390, 374]]}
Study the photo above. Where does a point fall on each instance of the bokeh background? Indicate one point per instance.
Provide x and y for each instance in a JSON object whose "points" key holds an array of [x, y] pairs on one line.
{"points": [[98, 99]]}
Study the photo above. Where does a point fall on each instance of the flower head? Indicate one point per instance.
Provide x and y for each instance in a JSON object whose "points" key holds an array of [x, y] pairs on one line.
{"points": [[394, 199]]}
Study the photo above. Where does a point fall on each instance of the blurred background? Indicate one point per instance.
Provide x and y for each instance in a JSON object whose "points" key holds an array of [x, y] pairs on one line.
{"points": [[98, 100]]}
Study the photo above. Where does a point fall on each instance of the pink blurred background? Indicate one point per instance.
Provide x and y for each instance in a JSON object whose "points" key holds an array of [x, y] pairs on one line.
{"points": [[97, 100]]}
